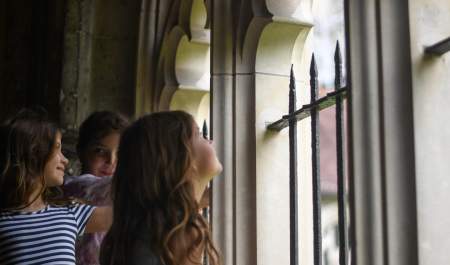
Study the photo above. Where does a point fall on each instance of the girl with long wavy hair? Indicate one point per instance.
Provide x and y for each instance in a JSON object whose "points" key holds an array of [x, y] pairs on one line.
{"points": [[164, 166], [37, 225]]}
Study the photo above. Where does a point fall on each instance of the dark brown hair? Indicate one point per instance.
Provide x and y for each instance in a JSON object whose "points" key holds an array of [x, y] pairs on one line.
{"points": [[153, 194], [97, 126], [27, 143]]}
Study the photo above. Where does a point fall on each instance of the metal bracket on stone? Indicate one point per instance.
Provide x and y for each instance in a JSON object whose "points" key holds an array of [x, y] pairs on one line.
{"points": [[439, 48]]}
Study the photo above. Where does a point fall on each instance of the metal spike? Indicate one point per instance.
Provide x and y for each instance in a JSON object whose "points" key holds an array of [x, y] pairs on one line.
{"points": [[205, 130], [292, 92], [313, 81], [293, 183], [337, 67]]}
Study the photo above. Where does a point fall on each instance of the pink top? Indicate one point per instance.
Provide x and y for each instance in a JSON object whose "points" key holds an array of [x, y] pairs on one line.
{"points": [[94, 191]]}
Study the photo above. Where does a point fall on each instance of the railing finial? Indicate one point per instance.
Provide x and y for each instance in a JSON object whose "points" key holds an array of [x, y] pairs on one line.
{"points": [[205, 130], [292, 92], [337, 68], [292, 76], [313, 81]]}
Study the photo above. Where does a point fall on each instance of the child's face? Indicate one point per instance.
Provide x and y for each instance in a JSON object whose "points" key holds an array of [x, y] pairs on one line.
{"points": [[100, 159], [54, 168], [206, 161]]}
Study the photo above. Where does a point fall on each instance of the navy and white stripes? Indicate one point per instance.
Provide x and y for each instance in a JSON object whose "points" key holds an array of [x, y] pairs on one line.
{"points": [[44, 237]]}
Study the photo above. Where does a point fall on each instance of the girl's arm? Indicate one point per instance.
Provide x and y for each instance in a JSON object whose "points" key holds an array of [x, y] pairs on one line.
{"points": [[100, 220]]}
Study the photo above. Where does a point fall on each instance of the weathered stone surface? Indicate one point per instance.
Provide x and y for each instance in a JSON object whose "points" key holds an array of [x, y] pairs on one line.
{"points": [[430, 23]]}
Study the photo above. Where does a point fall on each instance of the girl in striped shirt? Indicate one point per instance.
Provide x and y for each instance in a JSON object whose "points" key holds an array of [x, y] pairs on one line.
{"points": [[38, 226]]}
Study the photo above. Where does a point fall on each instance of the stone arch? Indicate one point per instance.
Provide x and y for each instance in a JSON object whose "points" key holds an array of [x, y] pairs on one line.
{"points": [[195, 102], [281, 45], [192, 64], [187, 63], [298, 10], [270, 46], [167, 28]]}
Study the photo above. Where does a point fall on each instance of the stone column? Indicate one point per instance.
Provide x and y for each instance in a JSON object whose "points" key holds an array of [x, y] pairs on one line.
{"points": [[253, 47]]}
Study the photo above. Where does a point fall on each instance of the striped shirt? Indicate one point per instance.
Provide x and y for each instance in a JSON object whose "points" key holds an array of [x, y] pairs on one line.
{"points": [[46, 236]]}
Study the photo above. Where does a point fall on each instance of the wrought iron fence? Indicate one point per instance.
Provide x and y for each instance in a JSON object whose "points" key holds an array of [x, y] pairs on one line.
{"points": [[205, 211], [290, 120]]}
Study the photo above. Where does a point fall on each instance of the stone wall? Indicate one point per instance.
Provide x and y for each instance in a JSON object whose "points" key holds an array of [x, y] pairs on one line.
{"points": [[99, 63], [430, 23]]}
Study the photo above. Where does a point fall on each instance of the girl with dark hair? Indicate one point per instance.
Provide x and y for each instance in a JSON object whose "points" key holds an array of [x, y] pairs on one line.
{"points": [[36, 224], [164, 166], [98, 141]]}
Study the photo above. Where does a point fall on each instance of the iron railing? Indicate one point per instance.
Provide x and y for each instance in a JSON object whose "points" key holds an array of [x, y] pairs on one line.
{"points": [[290, 120], [205, 211]]}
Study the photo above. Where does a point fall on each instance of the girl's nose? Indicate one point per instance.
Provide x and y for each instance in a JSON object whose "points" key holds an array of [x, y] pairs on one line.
{"points": [[64, 160], [112, 158]]}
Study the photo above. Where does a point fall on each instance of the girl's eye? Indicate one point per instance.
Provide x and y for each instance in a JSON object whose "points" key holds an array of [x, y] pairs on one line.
{"points": [[100, 151]]}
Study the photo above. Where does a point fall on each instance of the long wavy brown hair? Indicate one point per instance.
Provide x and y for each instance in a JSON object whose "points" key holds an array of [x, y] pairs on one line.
{"points": [[27, 143], [153, 194]]}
